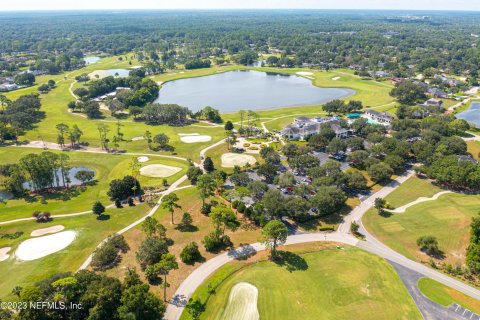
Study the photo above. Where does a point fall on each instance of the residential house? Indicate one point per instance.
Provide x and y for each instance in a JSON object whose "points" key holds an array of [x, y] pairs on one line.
{"points": [[436, 93], [433, 103]]}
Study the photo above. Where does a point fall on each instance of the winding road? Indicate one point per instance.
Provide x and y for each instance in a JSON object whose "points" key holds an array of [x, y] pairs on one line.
{"points": [[342, 235]]}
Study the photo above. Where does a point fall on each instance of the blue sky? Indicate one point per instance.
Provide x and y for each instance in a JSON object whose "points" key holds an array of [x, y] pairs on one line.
{"points": [[235, 4]]}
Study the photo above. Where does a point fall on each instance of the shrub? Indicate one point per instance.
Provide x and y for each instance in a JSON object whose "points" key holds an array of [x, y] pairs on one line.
{"points": [[106, 255], [118, 203], [130, 202], [98, 208], [206, 208], [429, 245], [215, 241], [190, 253], [151, 251]]}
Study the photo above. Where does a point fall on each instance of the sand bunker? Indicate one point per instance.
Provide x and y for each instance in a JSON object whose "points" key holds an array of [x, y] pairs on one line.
{"points": [[44, 231], [40, 247], [242, 303], [143, 159], [229, 160], [137, 138], [188, 134], [159, 171], [335, 78], [194, 139], [3, 253], [304, 73]]}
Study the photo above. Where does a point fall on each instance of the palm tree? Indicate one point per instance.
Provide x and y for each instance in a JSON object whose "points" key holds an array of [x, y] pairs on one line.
{"points": [[169, 202]]}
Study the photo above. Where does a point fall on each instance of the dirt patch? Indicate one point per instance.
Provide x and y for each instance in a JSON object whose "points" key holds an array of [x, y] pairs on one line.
{"points": [[44, 231], [40, 247], [229, 160], [4, 253], [159, 171]]}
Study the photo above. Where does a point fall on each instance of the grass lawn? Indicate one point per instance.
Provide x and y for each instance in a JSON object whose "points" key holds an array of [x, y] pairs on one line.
{"points": [[216, 155], [473, 147], [445, 296], [90, 232], [326, 284], [411, 190], [107, 167], [190, 202], [448, 219]]}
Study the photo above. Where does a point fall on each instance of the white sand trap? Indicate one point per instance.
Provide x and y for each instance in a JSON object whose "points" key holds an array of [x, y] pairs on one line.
{"points": [[304, 73], [40, 247], [137, 138], [143, 159], [159, 171], [44, 231], [194, 139], [229, 160], [3, 253], [242, 303], [336, 78]]}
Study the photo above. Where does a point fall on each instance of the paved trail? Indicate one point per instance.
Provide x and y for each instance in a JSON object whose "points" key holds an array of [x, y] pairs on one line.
{"points": [[199, 275]]}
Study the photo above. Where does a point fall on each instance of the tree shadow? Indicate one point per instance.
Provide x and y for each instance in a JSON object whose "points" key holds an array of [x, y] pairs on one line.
{"points": [[189, 228], [103, 217], [385, 213], [291, 261]]}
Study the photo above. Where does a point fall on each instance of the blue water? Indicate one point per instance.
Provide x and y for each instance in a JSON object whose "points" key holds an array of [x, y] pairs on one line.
{"points": [[472, 115], [253, 90], [71, 175]]}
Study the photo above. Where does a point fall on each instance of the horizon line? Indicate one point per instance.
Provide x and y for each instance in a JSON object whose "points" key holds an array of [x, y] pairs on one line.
{"points": [[231, 9]]}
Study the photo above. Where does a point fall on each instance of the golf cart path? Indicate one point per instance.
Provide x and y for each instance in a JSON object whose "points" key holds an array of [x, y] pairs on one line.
{"points": [[403, 208], [342, 235]]}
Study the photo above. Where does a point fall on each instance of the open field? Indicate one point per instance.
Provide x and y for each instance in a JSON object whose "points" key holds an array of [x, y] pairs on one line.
{"points": [[411, 190], [447, 218], [327, 284], [446, 296], [190, 202], [89, 232], [107, 167]]}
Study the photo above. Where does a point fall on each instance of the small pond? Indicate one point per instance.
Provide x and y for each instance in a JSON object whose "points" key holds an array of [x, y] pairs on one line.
{"points": [[471, 115], [71, 175], [122, 73], [89, 60], [254, 90]]}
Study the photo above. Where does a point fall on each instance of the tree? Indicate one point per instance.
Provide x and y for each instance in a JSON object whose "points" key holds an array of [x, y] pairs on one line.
{"points": [[408, 93], [380, 172], [24, 79], [186, 221], [170, 202], [429, 245], [275, 234], [123, 188], [208, 165], [166, 264], [336, 146], [98, 208], [190, 253], [380, 204], [228, 126], [84, 176], [162, 140], [206, 186], [148, 137], [74, 135], [274, 204], [135, 111], [62, 131], [81, 92], [138, 303], [224, 218], [195, 308], [107, 253], [356, 180], [193, 173], [267, 170], [151, 251], [153, 229], [328, 199], [286, 179], [43, 88]]}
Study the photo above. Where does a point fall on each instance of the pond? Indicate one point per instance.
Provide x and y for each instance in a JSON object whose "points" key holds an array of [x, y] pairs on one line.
{"points": [[122, 73], [471, 115], [89, 60], [71, 175], [254, 90]]}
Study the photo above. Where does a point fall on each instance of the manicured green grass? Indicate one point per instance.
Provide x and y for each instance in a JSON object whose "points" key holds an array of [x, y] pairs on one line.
{"points": [[445, 296], [411, 190], [90, 232], [330, 284], [473, 147], [216, 155], [447, 218], [107, 167]]}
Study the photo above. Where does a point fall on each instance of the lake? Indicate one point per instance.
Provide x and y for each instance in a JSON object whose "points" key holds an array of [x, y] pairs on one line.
{"points": [[122, 73], [71, 176], [89, 60], [254, 90], [472, 115]]}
